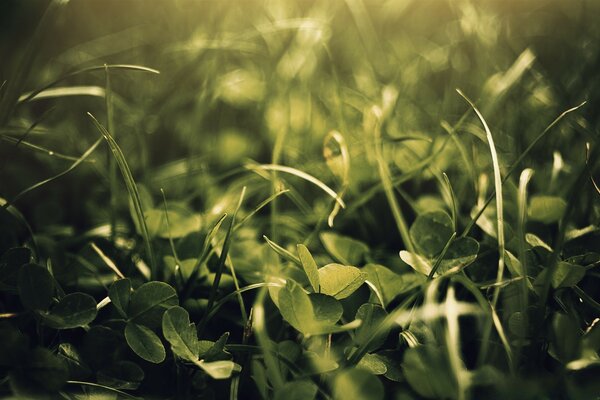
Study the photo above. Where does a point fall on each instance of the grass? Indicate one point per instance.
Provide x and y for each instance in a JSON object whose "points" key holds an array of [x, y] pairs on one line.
{"points": [[329, 231]]}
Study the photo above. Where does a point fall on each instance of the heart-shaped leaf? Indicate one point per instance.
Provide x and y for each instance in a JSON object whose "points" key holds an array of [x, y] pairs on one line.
{"points": [[310, 267], [390, 284], [295, 307], [219, 369], [340, 281], [372, 316], [327, 310], [36, 287], [180, 333], [149, 302], [120, 294], [145, 343], [72, 311], [430, 232]]}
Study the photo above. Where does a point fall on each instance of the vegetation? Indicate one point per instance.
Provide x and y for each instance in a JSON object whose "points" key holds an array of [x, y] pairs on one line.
{"points": [[344, 199]]}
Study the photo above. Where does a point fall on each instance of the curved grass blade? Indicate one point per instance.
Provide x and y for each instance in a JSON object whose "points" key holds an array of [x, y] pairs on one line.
{"points": [[303, 175], [85, 155], [221, 263], [499, 199], [514, 166], [283, 252], [453, 201], [130, 67], [202, 257], [133, 192]]}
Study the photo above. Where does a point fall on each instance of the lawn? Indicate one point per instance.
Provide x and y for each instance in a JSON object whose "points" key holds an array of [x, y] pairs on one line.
{"points": [[295, 200]]}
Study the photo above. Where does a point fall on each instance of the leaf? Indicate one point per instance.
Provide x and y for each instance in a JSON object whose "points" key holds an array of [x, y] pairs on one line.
{"points": [[430, 232], [546, 209], [372, 316], [77, 367], [120, 294], [180, 333], [327, 310], [462, 252], [567, 275], [389, 283], [340, 281], [150, 301], [144, 343], [214, 351], [72, 311], [36, 287], [296, 390], [357, 384], [219, 369], [310, 267], [417, 262], [344, 249], [295, 307], [373, 363]]}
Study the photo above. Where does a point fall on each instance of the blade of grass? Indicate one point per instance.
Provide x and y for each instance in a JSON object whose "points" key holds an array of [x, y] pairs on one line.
{"points": [[283, 252], [386, 181], [85, 70], [109, 263], [202, 258], [10, 96], [133, 192], [220, 264], [440, 258], [110, 160], [85, 155], [524, 179], [454, 207], [499, 198], [516, 164], [171, 243], [303, 175], [499, 218]]}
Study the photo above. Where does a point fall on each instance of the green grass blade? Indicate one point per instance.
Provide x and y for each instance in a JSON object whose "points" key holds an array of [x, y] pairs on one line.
{"points": [[204, 255], [499, 199], [515, 165], [454, 205], [303, 175], [283, 252], [221, 263], [133, 192], [85, 155], [386, 181], [129, 67]]}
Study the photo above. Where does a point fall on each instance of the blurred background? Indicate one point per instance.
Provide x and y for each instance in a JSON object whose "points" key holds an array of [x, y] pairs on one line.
{"points": [[251, 81]]}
